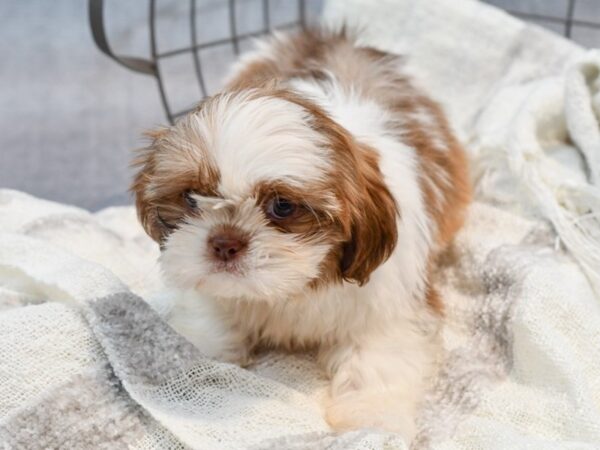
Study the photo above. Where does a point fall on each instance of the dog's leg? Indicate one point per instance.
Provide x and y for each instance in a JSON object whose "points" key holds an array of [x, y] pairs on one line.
{"points": [[201, 323], [380, 382]]}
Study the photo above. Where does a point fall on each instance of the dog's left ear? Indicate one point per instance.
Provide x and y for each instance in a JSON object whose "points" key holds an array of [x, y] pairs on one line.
{"points": [[373, 214], [145, 164]]}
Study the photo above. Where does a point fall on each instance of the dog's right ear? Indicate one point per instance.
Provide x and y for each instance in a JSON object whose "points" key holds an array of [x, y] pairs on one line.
{"points": [[146, 200], [374, 215]]}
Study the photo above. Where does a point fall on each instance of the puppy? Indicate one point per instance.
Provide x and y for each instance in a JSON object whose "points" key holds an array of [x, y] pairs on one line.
{"points": [[303, 207]]}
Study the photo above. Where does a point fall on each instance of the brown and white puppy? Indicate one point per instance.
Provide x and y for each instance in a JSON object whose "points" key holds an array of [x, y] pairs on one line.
{"points": [[303, 207]]}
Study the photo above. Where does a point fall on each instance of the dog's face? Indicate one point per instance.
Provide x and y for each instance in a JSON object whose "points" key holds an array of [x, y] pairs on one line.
{"points": [[260, 195]]}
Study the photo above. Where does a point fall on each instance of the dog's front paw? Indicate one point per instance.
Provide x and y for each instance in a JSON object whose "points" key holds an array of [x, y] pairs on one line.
{"points": [[379, 410], [221, 347], [234, 354], [196, 320]]}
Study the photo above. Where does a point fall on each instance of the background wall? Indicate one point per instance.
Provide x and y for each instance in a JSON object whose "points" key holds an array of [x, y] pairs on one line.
{"points": [[69, 116]]}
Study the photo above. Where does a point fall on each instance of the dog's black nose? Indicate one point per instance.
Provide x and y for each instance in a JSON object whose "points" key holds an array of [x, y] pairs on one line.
{"points": [[227, 245]]}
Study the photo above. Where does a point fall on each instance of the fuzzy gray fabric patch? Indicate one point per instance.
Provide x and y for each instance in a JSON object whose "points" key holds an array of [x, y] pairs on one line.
{"points": [[141, 347], [352, 440], [90, 411], [486, 356]]}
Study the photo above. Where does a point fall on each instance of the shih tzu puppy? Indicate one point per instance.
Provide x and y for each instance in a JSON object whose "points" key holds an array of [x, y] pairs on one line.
{"points": [[303, 207]]}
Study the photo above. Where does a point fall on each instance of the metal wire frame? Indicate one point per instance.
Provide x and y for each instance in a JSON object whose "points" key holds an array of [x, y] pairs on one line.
{"points": [[568, 21], [152, 67]]}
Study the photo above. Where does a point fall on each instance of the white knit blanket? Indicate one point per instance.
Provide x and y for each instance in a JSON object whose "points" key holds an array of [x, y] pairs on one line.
{"points": [[85, 363]]}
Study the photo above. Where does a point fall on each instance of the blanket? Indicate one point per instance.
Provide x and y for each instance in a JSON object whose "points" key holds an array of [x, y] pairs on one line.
{"points": [[87, 359]]}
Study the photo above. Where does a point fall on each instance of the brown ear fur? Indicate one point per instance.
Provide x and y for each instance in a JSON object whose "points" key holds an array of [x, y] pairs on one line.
{"points": [[145, 165], [373, 221], [369, 211], [175, 162]]}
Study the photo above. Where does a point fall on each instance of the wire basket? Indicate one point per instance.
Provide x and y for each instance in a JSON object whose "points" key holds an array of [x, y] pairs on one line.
{"points": [[152, 65]]}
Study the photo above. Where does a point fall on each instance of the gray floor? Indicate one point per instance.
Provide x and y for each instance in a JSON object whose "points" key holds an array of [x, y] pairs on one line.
{"points": [[69, 117]]}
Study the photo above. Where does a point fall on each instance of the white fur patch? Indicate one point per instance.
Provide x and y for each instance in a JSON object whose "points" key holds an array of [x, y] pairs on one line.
{"points": [[260, 139]]}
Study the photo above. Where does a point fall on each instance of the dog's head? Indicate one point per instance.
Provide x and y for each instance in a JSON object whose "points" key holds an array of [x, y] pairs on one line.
{"points": [[260, 195]]}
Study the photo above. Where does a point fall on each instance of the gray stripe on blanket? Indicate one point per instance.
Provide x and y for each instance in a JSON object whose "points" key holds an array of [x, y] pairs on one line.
{"points": [[141, 347], [486, 355], [351, 440], [90, 411]]}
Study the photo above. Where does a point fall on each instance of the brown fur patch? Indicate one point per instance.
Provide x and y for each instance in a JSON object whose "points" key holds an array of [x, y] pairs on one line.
{"points": [[166, 169], [293, 55], [435, 302], [445, 179]]}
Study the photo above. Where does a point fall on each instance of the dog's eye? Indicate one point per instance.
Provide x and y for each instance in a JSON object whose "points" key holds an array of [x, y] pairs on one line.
{"points": [[280, 208], [189, 200], [163, 222]]}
